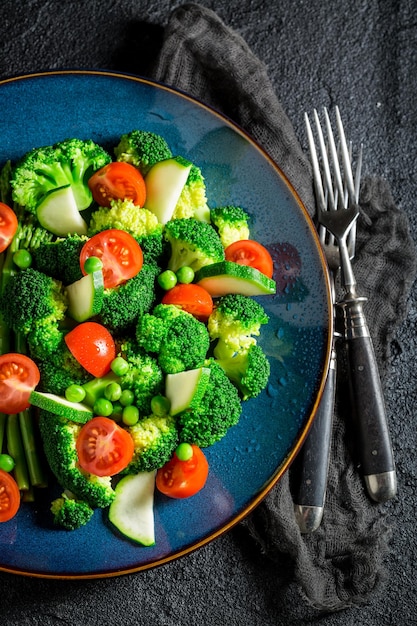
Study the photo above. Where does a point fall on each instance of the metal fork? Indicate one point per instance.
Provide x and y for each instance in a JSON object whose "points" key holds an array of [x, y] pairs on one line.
{"points": [[374, 445], [313, 460]]}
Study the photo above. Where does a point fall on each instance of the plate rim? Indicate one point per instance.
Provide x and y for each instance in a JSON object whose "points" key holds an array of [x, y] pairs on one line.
{"points": [[302, 434]]}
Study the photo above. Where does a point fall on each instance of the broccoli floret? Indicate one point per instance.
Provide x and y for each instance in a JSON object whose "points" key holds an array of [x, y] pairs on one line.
{"points": [[144, 377], [47, 168], [180, 341], [235, 322], [141, 223], [59, 437], [143, 149], [155, 439], [59, 369], [231, 222], [123, 305], [61, 258], [30, 234], [31, 297], [69, 512], [124, 215], [219, 409], [249, 371], [193, 244], [44, 339], [153, 246], [193, 199]]}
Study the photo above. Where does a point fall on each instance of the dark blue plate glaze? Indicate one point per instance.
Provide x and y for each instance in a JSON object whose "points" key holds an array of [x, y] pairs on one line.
{"points": [[44, 108]]}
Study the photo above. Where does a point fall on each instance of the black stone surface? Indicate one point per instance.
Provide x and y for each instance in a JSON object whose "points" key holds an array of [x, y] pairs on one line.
{"points": [[362, 56]]}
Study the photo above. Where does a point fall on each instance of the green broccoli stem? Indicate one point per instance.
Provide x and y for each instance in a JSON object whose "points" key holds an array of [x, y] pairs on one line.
{"points": [[5, 333], [34, 464], [94, 388], [30, 444], [8, 270], [18, 430], [3, 421], [15, 449], [5, 188], [28, 495]]}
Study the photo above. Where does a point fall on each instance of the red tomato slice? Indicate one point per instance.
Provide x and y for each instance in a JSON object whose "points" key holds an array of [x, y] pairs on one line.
{"points": [[249, 252], [182, 479], [103, 447], [8, 225], [120, 253], [93, 347], [192, 298], [9, 497], [19, 376], [118, 181]]}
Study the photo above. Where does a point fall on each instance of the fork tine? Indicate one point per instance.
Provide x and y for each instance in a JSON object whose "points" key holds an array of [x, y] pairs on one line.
{"points": [[348, 188], [325, 163], [358, 173], [335, 160], [347, 168], [318, 183]]}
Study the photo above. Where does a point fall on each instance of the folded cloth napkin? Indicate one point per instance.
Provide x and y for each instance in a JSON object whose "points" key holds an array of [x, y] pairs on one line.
{"points": [[342, 563]]}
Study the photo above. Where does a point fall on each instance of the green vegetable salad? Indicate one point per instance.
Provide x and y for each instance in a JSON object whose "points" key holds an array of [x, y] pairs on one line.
{"points": [[128, 328]]}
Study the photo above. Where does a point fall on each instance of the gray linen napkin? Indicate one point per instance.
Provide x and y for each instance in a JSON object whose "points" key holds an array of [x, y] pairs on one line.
{"points": [[341, 564]]}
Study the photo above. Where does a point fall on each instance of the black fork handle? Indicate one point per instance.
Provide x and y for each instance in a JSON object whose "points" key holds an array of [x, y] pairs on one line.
{"points": [[313, 460], [374, 444]]}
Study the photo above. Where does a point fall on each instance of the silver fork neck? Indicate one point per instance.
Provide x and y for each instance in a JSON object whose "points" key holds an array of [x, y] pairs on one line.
{"points": [[348, 277]]}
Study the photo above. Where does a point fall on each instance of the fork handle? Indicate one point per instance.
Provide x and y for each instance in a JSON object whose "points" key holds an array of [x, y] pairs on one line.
{"points": [[375, 449], [312, 462]]}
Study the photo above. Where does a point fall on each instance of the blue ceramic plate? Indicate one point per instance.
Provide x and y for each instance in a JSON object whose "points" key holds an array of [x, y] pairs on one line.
{"points": [[44, 108]]}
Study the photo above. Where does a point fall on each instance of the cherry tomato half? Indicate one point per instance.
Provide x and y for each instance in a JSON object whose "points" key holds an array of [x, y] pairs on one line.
{"points": [[93, 347], [249, 252], [9, 496], [19, 376], [118, 181], [192, 298], [119, 252], [104, 448], [182, 479], [8, 225]]}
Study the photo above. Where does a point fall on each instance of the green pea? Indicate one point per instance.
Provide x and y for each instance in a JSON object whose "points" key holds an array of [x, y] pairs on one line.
{"points": [[117, 412], [130, 415], [75, 393], [184, 451], [119, 366], [160, 405], [6, 462], [127, 397], [93, 264], [112, 392], [185, 275], [103, 407], [167, 280], [22, 258]]}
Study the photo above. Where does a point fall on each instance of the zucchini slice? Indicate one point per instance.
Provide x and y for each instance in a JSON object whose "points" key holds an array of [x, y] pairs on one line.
{"points": [[73, 411], [58, 213], [164, 184], [85, 296], [226, 277], [185, 389], [131, 512]]}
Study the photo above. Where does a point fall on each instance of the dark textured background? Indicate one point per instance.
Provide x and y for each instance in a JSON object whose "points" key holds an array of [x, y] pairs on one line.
{"points": [[360, 55]]}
